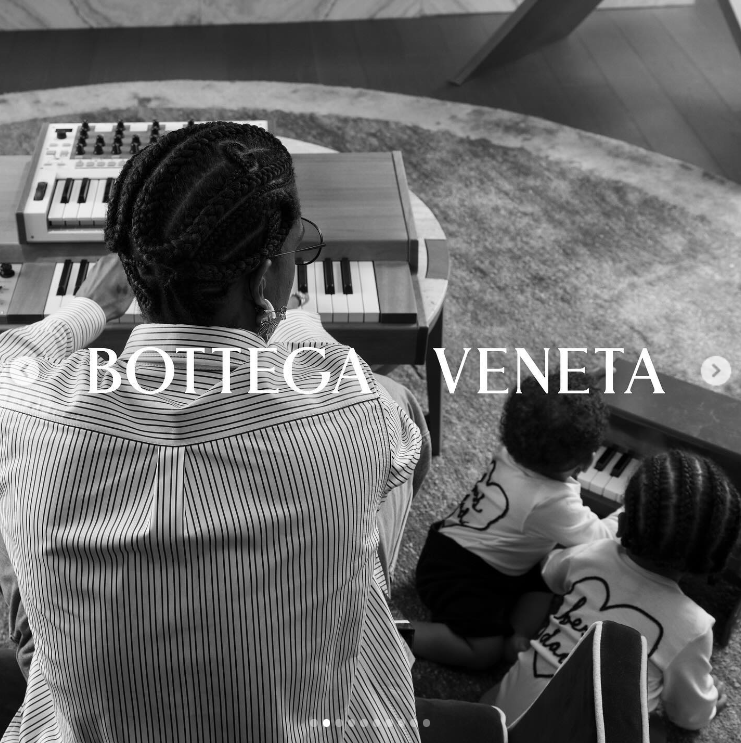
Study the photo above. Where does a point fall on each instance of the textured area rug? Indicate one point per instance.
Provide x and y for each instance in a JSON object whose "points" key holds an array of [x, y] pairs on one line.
{"points": [[557, 238]]}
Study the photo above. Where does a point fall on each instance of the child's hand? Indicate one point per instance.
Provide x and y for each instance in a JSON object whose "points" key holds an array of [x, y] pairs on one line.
{"points": [[722, 696]]}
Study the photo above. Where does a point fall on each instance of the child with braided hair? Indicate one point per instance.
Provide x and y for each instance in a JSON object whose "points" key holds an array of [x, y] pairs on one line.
{"points": [[479, 571], [682, 515]]}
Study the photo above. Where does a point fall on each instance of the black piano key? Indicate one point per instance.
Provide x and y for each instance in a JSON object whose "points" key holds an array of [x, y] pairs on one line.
{"points": [[107, 192], [328, 276], [607, 455], [67, 190], [302, 278], [346, 277], [64, 278], [84, 188], [621, 464], [81, 274]]}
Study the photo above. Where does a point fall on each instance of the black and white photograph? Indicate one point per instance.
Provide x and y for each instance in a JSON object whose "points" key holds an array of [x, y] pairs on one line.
{"points": [[370, 371]]}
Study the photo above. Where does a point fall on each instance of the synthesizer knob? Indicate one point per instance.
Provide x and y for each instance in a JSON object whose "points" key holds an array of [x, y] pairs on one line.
{"points": [[80, 148], [155, 124], [153, 138], [116, 149], [82, 139], [6, 270], [120, 125], [99, 140], [98, 149], [135, 139], [61, 134], [134, 148], [191, 122], [84, 126], [118, 139]]}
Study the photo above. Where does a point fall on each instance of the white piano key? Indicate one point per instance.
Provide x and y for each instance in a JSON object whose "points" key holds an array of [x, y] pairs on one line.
{"points": [[53, 300], [100, 207], [69, 215], [600, 480], [85, 212], [355, 300], [615, 489], [371, 308], [311, 305], [339, 299], [323, 300], [585, 478], [56, 210]]}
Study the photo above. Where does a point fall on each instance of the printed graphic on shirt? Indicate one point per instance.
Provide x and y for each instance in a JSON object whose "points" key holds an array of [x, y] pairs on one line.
{"points": [[481, 509], [592, 606]]}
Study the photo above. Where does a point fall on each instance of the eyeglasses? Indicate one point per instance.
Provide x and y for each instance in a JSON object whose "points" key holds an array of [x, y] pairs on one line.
{"points": [[307, 254]]}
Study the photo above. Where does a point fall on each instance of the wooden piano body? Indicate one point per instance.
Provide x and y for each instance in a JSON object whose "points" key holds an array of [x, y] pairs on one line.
{"points": [[689, 417]]}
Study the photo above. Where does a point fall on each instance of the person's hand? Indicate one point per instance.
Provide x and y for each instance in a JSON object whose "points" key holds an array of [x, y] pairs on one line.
{"points": [[722, 696], [106, 285]]}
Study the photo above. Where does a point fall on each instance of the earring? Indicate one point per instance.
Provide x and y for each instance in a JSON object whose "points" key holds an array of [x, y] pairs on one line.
{"points": [[268, 319]]}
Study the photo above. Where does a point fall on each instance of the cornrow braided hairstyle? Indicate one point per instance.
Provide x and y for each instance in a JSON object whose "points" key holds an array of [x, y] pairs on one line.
{"points": [[682, 512], [191, 213], [550, 430]]}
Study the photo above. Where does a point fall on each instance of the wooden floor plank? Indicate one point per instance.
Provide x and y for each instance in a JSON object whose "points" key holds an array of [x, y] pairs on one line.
{"points": [[668, 79], [694, 97], [337, 53], [651, 109], [705, 38], [290, 53]]}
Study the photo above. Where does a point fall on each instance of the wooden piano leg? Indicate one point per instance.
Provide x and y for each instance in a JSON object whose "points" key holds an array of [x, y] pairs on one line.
{"points": [[435, 385]]}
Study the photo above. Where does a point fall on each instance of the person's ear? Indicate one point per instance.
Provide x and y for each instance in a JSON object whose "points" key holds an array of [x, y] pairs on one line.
{"points": [[257, 285]]}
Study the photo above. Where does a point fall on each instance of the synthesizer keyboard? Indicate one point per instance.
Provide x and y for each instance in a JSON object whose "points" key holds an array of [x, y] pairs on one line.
{"points": [[74, 166], [341, 291]]}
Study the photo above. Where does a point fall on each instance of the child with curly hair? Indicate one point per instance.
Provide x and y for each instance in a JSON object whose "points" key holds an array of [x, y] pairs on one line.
{"points": [[479, 571], [682, 515]]}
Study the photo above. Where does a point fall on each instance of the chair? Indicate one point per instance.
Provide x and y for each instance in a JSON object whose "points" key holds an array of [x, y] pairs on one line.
{"points": [[597, 696]]}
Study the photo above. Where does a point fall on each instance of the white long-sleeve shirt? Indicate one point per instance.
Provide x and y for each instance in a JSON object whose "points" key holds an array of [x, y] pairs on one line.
{"points": [[513, 517], [200, 566], [600, 582]]}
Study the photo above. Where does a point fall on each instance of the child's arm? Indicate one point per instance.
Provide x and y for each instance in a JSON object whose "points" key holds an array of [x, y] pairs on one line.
{"points": [[555, 568], [690, 695], [568, 522]]}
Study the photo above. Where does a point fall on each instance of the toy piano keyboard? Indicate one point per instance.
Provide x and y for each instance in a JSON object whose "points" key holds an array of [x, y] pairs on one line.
{"points": [[686, 416]]}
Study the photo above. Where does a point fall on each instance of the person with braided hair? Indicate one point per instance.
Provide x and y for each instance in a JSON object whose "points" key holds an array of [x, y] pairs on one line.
{"points": [[479, 570], [682, 516], [209, 562]]}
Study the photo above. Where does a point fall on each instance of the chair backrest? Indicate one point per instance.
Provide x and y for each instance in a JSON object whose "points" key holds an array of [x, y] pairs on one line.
{"points": [[450, 721], [598, 695]]}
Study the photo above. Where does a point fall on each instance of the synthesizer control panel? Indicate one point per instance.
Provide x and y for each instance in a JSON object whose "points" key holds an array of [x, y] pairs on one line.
{"points": [[72, 170]]}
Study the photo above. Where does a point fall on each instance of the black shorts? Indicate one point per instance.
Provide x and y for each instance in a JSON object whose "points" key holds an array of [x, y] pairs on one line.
{"points": [[466, 593]]}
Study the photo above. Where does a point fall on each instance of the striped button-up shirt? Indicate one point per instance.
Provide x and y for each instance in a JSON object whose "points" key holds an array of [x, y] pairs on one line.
{"points": [[196, 564]]}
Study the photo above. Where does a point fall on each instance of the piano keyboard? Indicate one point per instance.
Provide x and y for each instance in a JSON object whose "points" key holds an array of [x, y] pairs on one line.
{"points": [[604, 482], [80, 202], [341, 291]]}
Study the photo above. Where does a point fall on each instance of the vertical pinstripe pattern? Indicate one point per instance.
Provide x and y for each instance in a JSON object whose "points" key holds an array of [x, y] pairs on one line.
{"points": [[200, 567]]}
